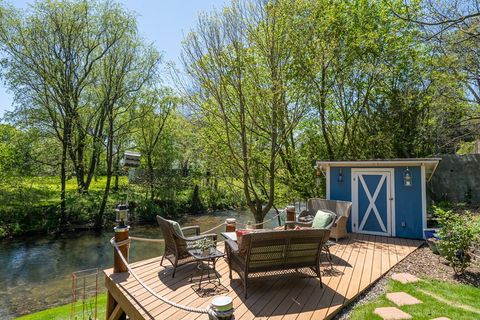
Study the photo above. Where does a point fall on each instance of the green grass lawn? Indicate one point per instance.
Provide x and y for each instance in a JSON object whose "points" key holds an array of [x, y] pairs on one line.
{"points": [[14, 191], [461, 298], [63, 312], [31, 204]]}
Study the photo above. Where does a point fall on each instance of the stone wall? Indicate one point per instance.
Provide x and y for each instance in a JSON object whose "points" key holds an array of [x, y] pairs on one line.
{"points": [[456, 179]]}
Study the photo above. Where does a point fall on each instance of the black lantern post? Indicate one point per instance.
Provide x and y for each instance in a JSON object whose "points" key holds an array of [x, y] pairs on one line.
{"points": [[130, 160]]}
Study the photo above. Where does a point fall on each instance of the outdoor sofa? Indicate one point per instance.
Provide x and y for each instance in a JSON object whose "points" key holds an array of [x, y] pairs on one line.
{"points": [[276, 251]]}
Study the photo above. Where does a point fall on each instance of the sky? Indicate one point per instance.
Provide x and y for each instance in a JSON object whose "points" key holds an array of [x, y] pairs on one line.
{"points": [[163, 22]]}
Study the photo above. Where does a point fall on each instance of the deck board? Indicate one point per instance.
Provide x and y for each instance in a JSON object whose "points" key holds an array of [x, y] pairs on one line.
{"points": [[358, 261]]}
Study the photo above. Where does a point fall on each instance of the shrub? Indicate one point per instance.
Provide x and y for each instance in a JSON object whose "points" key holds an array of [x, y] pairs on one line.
{"points": [[457, 235], [146, 210]]}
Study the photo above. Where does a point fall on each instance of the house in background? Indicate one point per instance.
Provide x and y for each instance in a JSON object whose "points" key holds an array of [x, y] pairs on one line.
{"points": [[389, 196]]}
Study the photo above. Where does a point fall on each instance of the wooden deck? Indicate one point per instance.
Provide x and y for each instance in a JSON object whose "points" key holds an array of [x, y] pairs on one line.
{"points": [[358, 261]]}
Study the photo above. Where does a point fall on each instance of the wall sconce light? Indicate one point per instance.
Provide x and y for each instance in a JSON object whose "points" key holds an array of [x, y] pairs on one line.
{"points": [[340, 175], [407, 178]]}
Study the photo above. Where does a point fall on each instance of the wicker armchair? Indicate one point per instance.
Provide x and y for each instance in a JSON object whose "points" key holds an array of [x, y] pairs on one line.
{"points": [[276, 251], [340, 208], [176, 246]]}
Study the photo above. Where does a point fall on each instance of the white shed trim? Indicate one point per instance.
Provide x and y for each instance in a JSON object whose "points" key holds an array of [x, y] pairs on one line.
{"points": [[430, 164], [424, 200], [327, 176]]}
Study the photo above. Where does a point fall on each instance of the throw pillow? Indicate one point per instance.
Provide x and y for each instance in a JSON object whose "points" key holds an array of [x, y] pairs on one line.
{"points": [[301, 228], [176, 227], [240, 234], [323, 219]]}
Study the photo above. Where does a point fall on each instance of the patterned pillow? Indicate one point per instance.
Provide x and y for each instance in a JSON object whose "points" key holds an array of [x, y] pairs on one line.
{"points": [[240, 234]]}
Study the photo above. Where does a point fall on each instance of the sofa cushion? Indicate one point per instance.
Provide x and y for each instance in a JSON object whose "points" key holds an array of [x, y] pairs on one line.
{"points": [[176, 227], [323, 219]]}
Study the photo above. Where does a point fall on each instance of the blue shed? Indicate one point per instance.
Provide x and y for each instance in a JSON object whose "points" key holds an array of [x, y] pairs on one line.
{"points": [[389, 196]]}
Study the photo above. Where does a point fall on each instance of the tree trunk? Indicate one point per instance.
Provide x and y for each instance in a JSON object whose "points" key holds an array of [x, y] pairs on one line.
{"points": [[93, 165], [258, 214], [323, 119], [117, 167], [97, 143], [115, 186], [150, 176], [80, 169], [103, 205], [63, 177]]}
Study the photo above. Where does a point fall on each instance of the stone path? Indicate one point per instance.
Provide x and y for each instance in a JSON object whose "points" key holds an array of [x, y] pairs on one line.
{"points": [[400, 299], [404, 277], [392, 313]]}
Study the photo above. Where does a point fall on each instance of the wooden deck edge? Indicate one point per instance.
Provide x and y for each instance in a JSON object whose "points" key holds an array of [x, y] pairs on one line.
{"points": [[348, 302], [135, 310], [121, 299]]}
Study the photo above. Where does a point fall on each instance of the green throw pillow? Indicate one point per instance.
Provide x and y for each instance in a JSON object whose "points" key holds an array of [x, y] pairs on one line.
{"points": [[323, 219], [176, 227]]}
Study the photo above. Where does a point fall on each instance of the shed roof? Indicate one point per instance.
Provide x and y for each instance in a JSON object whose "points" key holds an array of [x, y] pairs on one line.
{"points": [[429, 163]]}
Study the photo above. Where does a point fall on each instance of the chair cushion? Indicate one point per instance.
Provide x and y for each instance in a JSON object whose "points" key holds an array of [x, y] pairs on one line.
{"points": [[323, 219], [176, 227]]}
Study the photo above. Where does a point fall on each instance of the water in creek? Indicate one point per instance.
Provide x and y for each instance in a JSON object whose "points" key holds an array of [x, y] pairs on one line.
{"points": [[35, 273]]}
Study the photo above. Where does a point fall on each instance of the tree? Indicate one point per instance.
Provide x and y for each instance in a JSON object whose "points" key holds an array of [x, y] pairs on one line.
{"points": [[238, 63], [128, 67], [50, 58], [70, 65], [155, 107], [16, 156], [452, 28]]}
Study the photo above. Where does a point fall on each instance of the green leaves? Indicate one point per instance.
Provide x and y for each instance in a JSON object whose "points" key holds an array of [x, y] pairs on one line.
{"points": [[458, 233]]}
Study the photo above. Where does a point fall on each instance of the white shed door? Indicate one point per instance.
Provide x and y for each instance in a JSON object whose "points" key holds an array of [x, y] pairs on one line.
{"points": [[372, 209]]}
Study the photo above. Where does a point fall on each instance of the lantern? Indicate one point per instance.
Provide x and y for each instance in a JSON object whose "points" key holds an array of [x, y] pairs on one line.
{"points": [[407, 178], [121, 214]]}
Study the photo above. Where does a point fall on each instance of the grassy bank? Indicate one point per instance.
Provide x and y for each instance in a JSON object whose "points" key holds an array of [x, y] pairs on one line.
{"points": [[30, 205], [63, 312]]}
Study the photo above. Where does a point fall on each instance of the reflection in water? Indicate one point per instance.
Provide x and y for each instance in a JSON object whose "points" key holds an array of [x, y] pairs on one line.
{"points": [[35, 273]]}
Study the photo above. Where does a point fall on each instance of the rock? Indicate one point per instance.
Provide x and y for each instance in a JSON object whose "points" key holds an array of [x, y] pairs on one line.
{"points": [[404, 277], [391, 313], [402, 299]]}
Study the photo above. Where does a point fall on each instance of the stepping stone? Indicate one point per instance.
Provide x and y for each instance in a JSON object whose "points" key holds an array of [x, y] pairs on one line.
{"points": [[402, 299], [441, 318], [391, 313], [404, 277]]}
